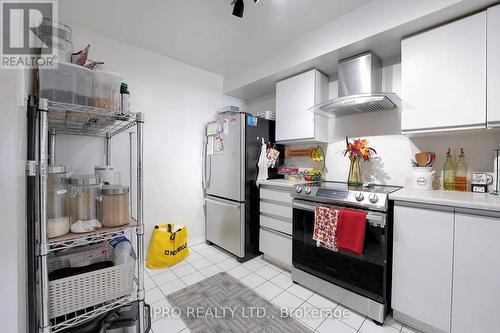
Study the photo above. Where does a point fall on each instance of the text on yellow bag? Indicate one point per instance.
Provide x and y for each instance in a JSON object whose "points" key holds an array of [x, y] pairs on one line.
{"points": [[168, 246]]}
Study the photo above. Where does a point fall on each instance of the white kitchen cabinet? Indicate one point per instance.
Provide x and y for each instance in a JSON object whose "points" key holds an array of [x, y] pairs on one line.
{"points": [[444, 76], [294, 96], [493, 66], [276, 245], [422, 266], [275, 238], [476, 274]]}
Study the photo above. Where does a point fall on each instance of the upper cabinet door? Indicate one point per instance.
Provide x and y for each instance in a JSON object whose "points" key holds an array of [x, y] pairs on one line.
{"points": [[493, 56], [444, 77], [294, 96], [476, 274]]}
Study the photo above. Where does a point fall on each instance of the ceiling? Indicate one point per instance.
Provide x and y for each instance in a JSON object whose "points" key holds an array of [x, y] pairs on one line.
{"points": [[203, 33]]}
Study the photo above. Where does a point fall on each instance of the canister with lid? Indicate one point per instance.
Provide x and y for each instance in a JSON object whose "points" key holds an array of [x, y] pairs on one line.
{"points": [[85, 192], [57, 201], [114, 210]]}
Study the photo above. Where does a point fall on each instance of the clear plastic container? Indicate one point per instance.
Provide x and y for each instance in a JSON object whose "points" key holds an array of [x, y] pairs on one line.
{"points": [[106, 90], [62, 48], [68, 83], [57, 201], [59, 36], [84, 196], [114, 209], [57, 84], [82, 85]]}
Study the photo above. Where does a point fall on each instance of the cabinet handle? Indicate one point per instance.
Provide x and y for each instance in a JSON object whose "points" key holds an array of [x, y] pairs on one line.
{"points": [[276, 232]]}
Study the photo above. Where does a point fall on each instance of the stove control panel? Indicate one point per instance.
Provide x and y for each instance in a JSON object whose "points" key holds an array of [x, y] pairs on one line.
{"points": [[339, 197]]}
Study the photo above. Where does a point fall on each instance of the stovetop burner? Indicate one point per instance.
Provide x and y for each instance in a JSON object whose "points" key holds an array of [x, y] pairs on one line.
{"points": [[373, 197]]}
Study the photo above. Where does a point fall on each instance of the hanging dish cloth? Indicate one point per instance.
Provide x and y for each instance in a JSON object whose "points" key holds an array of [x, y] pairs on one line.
{"points": [[272, 157], [262, 164], [351, 231], [325, 227]]}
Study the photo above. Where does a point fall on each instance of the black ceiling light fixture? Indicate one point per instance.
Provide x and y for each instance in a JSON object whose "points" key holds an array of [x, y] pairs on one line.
{"points": [[239, 7]]}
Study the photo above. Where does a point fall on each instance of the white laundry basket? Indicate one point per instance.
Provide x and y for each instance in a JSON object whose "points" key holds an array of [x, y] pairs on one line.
{"points": [[88, 289]]}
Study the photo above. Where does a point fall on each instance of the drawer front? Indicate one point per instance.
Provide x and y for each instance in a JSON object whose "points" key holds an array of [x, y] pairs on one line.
{"points": [[275, 195], [276, 209], [276, 245], [281, 225]]}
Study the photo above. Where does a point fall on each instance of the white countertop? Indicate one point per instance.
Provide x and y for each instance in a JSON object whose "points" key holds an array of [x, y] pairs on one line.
{"points": [[281, 182], [484, 201]]}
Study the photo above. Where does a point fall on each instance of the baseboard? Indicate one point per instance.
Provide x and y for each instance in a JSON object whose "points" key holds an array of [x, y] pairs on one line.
{"points": [[415, 323]]}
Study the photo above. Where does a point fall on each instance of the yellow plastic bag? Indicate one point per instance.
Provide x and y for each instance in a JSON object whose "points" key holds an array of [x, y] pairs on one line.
{"points": [[168, 246]]}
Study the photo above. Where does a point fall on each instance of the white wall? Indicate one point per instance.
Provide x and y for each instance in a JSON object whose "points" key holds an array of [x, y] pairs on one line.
{"points": [[12, 201], [177, 100]]}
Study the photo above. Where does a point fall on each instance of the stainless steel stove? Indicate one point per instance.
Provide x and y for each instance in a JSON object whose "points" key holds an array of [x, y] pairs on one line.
{"points": [[361, 282], [373, 197]]}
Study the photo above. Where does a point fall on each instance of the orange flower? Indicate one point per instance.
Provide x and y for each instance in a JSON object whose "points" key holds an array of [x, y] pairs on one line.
{"points": [[358, 149]]}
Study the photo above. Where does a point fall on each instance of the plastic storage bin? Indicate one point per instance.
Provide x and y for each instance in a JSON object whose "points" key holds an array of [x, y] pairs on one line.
{"points": [[82, 85], [68, 83], [59, 36], [81, 291], [106, 90], [57, 201], [114, 206]]}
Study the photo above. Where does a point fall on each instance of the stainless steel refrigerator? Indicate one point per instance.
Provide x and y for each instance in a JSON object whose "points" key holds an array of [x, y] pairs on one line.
{"points": [[231, 150]]}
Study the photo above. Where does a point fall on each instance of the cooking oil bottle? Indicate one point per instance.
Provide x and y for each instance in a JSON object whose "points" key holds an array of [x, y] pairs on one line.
{"points": [[449, 172], [461, 173]]}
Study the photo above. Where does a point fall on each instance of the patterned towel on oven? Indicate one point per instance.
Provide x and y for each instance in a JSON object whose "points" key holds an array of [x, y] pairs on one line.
{"points": [[325, 227]]}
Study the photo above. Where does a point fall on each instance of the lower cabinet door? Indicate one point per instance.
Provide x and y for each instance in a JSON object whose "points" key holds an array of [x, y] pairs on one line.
{"points": [[476, 274], [422, 266], [276, 244]]}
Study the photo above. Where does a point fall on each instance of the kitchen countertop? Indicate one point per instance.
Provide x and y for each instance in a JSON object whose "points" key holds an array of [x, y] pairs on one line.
{"points": [[484, 201], [281, 182]]}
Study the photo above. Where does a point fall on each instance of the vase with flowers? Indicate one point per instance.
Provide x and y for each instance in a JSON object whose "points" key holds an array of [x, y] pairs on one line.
{"points": [[357, 150]]}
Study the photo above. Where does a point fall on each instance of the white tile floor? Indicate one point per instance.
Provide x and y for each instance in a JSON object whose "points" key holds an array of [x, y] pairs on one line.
{"points": [[271, 282]]}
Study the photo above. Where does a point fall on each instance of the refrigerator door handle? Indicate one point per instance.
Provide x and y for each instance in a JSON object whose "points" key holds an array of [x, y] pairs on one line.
{"points": [[224, 202], [205, 180], [204, 163]]}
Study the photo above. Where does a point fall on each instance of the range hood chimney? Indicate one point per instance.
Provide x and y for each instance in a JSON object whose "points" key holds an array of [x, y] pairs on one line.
{"points": [[360, 86]]}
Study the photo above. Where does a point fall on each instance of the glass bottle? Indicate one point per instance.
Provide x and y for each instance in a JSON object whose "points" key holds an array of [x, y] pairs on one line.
{"points": [[461, 173], [449, 172]]}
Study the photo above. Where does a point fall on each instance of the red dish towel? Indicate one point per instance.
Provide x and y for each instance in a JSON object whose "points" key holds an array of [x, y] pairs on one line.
{"points": [[351, 231], [325, 227]]}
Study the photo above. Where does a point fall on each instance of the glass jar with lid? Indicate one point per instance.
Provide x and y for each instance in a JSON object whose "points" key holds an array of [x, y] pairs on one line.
{"points": [[57, 201], [114, 210], [85, 193]]}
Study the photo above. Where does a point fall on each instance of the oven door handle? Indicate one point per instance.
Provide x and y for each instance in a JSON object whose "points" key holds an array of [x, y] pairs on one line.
{"points": [[303, 206], [373, 218]]}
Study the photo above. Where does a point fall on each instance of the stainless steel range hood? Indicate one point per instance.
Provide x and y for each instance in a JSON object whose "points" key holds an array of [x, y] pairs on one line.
{"points": [[360, 86]]}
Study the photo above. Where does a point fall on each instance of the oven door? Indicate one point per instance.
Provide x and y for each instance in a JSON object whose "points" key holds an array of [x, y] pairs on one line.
{"points": [[365, 275]]}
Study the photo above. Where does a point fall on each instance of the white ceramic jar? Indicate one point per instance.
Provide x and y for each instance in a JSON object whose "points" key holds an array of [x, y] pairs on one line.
{"points": [[422, 178]]}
